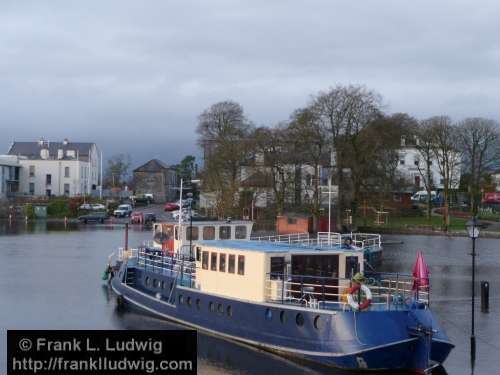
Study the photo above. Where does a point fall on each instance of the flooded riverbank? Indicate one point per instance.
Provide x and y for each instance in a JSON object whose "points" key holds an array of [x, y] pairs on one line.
{"points": [[50, 279]]}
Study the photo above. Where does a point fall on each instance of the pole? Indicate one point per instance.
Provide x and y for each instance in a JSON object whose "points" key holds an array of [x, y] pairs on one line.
{"points": [[100, 187], [472, 337], [126, 236], [179, 231], [329, 209], [190, 230]]}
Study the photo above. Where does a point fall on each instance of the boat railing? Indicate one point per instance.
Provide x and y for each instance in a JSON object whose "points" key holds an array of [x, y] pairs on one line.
{"points": [[360, 241], [389, 291]]}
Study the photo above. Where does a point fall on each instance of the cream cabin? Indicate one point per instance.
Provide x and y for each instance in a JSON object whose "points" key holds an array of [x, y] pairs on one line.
{"points": [[272, 272]]}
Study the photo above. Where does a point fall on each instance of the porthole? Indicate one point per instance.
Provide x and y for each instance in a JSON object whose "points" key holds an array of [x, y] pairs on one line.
{"points": [[198, 303], [229, 311], [211, 306], [269, 314], [188, 301], [299, 319], [146, 280], [181, 299], [155, 283], [317, 322], [283, 317], [220, 308]]}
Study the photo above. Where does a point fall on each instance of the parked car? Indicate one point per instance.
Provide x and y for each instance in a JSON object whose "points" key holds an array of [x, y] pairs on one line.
{"points": [[185, 214], [97, 217], [123, 210], [171, 206], [98, 207], [149, 218], [86, 206]]}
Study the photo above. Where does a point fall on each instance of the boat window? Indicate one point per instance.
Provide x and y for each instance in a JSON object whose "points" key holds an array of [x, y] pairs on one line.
{"points": [[213, 261], [229, 311], [204, 262], [277, 267], [269, 314], [198, 254], [222, 263], [181, 299], [146, 280], [176, 234], [194, 236], [224, 232], [198, 303], [231, 263], [188, 301], [317, 322], [163, 284], [155, 283], [283, 317], [240, 232], [220, 308], [211, 306], [299, 319], [209, 233], [241, 264]]}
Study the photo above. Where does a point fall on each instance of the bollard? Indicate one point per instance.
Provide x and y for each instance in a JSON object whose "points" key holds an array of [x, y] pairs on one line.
{"points": [[485, 296]]}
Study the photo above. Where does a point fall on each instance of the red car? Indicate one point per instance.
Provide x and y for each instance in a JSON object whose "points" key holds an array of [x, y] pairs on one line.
{"points": [[171, 206]]}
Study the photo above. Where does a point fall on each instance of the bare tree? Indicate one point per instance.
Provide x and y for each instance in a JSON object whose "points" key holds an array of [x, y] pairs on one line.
{"points": [[117, 170], [479, 139], [425, 145], [344, 111], [311, 142], [222, 133], [273, 145], [446, 152]]}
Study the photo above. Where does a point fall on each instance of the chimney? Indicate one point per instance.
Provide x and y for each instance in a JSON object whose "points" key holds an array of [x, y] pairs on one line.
{"points": [[66, 141]]}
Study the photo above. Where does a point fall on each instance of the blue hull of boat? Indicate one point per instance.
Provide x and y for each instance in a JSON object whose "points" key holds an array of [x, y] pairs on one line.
{"points": [[374, 339]]}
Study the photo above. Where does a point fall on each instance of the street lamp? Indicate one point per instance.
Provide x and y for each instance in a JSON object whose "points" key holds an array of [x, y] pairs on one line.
{"points": [[190, 218], [473, 232]]}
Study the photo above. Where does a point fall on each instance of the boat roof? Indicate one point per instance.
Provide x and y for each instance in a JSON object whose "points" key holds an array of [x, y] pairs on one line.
{"points": [[273, 247], [209, 222]]}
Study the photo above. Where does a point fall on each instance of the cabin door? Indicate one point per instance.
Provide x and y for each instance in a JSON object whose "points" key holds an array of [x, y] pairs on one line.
{"points": [[320, 272]]}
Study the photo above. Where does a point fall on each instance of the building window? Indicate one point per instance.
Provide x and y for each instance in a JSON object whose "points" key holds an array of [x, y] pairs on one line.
{"points": [[292, 220], [224, 232], [209, 233], [48, 179], [48, 192], [213, 261], [222, 263], [231, 264], [32, 188], [32, 171], [240, 232], [204, 262], [192, 233], [66, 189], [66, 171], [241, 264]]}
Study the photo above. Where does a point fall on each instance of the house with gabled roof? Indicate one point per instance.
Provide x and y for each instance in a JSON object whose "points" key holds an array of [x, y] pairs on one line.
{"points": [[157, 178]]}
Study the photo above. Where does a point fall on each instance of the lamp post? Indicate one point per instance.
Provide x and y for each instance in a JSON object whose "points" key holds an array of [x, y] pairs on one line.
{"points": [[473, 232]]}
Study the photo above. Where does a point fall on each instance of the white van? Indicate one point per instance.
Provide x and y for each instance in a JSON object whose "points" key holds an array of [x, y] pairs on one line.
{"points": [[421, 196]]}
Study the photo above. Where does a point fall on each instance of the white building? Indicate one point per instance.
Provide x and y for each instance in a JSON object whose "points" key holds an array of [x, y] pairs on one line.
{"points": [[9, 176], [57, 168], [411, 166]]}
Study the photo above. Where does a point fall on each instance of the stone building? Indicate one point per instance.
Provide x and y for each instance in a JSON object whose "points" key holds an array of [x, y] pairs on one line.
{"points": [[157, 178]]}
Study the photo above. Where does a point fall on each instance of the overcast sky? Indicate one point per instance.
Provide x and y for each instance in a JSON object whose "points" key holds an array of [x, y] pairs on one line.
{"points": [[133, 76]]}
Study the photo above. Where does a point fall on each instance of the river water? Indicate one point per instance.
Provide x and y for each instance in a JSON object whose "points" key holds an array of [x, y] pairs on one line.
{"points": [[50, 279]]}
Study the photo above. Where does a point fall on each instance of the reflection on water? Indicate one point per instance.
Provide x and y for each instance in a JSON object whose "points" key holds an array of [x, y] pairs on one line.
{"points": [[50, 279]]}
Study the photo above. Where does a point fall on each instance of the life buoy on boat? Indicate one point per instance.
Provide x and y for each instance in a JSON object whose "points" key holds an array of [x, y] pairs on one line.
{"points": [[356, 305]]}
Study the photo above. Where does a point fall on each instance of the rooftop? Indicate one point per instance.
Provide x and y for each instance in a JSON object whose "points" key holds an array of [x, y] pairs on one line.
{"points": [[31, 150], [271, 247]]}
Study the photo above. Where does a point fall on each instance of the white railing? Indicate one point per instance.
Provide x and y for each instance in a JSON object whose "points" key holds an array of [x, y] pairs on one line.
{"points": [[388, 290], [326, 239]]}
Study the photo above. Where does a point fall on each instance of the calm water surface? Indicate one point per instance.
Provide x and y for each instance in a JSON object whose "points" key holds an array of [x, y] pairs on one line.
{"points": [[50, 279]]}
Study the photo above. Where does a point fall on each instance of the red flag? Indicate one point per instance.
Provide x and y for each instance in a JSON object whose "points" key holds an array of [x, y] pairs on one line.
{"points": [[420, 272]]}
